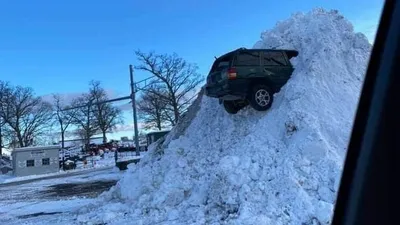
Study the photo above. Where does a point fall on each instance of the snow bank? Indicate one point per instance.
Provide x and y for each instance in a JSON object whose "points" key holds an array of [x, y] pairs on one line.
{"points": [[282, 166]]}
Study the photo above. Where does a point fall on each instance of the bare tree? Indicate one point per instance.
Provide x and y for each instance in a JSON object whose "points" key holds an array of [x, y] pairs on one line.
{"points": [[3, 91], [4, 129], [81, 133], [9, 139], [26, 115], [84, 117], [179, 77], [152, 108], [1, 136], [64, 118], [48, 137], [107, 116]]}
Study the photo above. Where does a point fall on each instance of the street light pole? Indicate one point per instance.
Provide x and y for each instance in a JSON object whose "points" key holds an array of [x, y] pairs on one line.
{"points": [[134, 111]]}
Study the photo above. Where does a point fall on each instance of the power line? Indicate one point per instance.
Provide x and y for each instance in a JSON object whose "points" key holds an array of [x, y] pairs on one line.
{"points": [[135, 90], [97, 103]]}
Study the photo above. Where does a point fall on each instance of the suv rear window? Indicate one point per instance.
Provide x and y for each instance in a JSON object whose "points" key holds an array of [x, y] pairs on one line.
{"points": [[274, 59], [248, 59], [221, 64]]}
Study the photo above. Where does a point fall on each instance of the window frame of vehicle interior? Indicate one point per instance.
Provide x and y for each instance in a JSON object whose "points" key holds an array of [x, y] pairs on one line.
{"points": [[368, 191]]}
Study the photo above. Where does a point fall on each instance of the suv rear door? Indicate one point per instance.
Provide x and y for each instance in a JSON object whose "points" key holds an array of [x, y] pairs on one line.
{"points": [[276, 66]]}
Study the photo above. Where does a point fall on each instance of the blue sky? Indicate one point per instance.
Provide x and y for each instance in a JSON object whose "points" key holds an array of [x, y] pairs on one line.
{"points": [[59, 46]]}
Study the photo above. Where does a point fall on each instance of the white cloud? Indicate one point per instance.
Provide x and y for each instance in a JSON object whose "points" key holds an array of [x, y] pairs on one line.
{"points": [[125, 107], [128, 127], [66, 97]]}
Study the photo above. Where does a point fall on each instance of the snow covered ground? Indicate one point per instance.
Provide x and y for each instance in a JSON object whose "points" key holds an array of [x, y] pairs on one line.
{"points": [[277, 167], [55, 200], [97, 161]]}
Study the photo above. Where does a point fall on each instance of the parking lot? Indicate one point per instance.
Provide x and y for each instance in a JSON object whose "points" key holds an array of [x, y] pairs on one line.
{"points": [[50, 197]]}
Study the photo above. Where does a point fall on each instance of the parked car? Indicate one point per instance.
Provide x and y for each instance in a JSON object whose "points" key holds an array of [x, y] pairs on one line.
{"points": [[249, 76], [70, 165]]}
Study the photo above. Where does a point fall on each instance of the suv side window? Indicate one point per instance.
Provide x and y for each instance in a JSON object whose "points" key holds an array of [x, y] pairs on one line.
{"points": [[248, 59], [274, 59]]}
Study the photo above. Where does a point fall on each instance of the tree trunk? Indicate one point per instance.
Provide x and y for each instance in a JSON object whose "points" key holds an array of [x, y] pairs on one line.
{"points": [[174, 103], [62, 138], [87, 140], [20, 139], [158, 121], [87, 130], [176, 112], [104, 136], [62, 147]]}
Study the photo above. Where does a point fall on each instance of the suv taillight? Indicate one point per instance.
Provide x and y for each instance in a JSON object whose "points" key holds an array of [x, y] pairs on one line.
{"points": [[232, 73]]}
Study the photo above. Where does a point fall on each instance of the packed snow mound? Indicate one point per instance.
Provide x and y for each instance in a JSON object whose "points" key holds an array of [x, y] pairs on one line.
{"points": [[282, 166]]}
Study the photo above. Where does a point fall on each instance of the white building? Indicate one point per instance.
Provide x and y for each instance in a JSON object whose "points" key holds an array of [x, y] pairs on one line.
{"points": [[35, 160]]}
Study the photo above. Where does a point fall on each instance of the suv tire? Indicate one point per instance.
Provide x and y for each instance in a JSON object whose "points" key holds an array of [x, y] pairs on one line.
{"points": [[231, 107], [261, 97]]}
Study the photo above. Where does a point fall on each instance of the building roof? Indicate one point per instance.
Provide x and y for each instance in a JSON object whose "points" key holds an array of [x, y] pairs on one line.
{"points": [[36, 148]]}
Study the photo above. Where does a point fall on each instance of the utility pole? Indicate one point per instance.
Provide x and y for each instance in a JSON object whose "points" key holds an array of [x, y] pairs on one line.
{"points": [[137, 148]]}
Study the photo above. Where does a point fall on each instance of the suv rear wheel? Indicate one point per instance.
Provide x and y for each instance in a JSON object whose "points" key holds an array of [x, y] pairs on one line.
{"points": [[231, 107], [261, 97]]}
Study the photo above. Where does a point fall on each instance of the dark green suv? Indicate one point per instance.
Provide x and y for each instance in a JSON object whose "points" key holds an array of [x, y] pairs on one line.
{"points": [[249, 76]]}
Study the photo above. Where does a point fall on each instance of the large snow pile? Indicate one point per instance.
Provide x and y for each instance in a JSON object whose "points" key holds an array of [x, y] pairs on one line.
{"points": [[282, 166]]}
